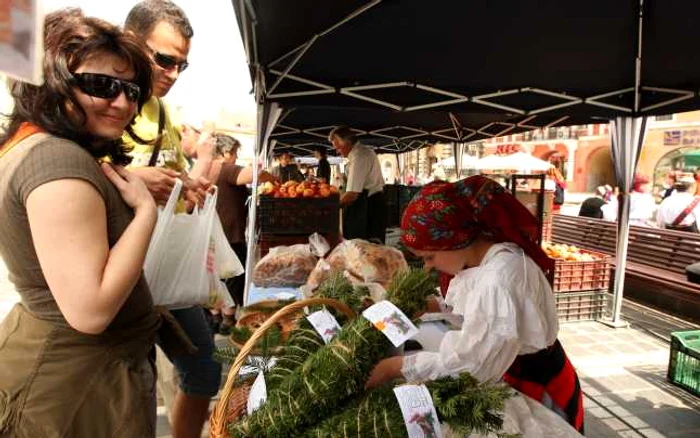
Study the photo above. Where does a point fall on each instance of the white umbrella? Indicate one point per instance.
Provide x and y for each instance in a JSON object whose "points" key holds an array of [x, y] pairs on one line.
{"points": [[522, 161], [490, 162], [468, 162]]}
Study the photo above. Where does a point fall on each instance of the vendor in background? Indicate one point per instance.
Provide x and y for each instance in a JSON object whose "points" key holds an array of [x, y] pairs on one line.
{"points": [[681, 210], [324, 168], [364, 203], [231, 180], [475, 230], [642, 203], [287, 169]]}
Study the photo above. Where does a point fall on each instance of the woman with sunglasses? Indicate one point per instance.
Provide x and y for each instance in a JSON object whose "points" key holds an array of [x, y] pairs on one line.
{"points": [[75, 353]]}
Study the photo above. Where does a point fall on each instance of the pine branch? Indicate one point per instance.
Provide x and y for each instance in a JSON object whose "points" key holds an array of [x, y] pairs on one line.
{"points": [[462, 403], [334, 373]]}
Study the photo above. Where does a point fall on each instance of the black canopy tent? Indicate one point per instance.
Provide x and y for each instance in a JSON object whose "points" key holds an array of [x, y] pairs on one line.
{"points": [[478, 66]]}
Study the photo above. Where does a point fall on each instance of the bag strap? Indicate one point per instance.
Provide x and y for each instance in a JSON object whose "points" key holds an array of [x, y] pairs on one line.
{"points": [[686, 212], [159, 138]]}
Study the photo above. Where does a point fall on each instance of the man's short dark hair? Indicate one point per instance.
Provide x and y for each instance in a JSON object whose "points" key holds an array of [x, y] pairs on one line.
{"points": [[144, 17], [322, 151], [343, 133]]}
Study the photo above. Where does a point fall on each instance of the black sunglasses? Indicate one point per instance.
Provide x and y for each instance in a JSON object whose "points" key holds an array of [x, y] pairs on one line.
{"points": [[167, 62], [106, 87]]}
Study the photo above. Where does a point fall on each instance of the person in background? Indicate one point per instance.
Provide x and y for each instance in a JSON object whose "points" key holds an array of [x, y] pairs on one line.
{"points": [[668, 187], [364, 204], [477, 231], [642, 203], [592, 207], [555, 176], [75, 353], [696, 177], [231, 180], [323, 172], [287, 169], [158, 157], [681, 210]]}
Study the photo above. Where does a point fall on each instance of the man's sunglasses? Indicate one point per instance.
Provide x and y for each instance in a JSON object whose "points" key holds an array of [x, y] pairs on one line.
{"points": [[106, 87], [167, 62]]}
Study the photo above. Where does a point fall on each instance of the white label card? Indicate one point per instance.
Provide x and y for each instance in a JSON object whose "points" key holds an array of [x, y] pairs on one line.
{"points": [[391, 321], [258, 394], [418, 411], [325, 324]]}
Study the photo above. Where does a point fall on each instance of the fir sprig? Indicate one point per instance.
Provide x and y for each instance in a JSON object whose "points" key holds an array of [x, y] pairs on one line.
{"points": [[463, 403], [334, 373]]}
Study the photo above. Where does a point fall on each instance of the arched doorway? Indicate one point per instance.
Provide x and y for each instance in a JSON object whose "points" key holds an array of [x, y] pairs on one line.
{"points": [[685, 159], [600, 169]]}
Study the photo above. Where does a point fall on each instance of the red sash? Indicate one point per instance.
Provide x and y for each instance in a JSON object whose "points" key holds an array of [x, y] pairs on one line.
{"points": [[549, 371]]}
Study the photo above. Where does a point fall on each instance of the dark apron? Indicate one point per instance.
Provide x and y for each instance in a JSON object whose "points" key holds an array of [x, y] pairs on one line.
{"points": [[355, 218], [549, 374], [366, 217]]}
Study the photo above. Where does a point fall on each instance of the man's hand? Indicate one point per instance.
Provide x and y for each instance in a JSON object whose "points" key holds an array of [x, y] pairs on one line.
{"points": [[159, 181], [348, 198], [196, 191]]}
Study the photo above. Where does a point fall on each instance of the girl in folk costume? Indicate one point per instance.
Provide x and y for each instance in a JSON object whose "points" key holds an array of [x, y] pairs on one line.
{"points": [[475, 230]]}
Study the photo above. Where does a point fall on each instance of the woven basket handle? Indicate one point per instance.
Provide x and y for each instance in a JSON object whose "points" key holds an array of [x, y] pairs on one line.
{"points": [[217, 422]]}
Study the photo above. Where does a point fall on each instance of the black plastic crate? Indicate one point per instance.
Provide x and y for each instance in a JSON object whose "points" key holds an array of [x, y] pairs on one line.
{"points": [[293, 216]]}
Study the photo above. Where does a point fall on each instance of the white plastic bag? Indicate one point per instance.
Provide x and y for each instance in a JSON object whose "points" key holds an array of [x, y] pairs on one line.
{"points": [[176, 261], [227, 263]]}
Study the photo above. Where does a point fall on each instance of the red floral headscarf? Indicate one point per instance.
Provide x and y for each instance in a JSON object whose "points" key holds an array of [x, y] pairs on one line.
{"points": [[449, 216]]}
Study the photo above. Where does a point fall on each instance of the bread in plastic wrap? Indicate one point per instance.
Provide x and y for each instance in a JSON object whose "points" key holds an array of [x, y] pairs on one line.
{"points": [[362, 262], [284, 266]]}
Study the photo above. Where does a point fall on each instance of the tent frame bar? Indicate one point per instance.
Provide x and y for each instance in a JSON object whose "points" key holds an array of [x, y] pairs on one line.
{"points": [[347, 18]]}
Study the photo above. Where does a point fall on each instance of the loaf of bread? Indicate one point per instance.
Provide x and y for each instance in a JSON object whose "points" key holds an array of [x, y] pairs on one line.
{"points": [[285, 266]]}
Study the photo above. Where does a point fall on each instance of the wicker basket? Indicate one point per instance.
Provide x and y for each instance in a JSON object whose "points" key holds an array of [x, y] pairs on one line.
{"points": [[232, 404]]}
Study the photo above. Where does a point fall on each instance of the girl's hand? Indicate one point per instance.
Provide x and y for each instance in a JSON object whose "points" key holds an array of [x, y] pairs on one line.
{"points": [[385, 371], [132, 188]]}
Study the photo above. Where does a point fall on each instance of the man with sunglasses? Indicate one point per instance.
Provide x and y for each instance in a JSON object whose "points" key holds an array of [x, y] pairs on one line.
{"points": [[159, 158]]}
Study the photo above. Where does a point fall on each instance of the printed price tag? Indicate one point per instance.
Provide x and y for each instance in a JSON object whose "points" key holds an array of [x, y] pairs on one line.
{"points": [[391, 321], [258, 394], [325, 324], [418, 411]]}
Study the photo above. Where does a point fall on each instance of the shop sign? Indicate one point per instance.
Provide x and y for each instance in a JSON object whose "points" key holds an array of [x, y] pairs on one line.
{"points": [[688, 137]]}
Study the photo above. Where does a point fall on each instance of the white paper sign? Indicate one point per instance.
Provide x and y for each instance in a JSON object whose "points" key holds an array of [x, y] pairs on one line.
{"points": [[22, 39], [325, 324], [258, 394], [418, 411], [391, 321]]}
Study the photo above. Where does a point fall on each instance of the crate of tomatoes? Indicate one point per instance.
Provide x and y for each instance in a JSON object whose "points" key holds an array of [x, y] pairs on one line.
{"points": [[298, 208], [577, 269]]}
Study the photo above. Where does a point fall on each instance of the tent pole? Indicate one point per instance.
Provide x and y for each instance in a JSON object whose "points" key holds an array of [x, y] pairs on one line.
{"points": [[627, 139]]}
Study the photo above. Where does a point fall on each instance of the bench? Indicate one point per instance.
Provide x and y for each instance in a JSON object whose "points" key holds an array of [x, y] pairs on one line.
{"points": [[656, 260]]}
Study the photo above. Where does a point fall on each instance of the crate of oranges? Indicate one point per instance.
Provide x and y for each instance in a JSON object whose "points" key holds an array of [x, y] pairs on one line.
{"points": [[299, 208], [577, 269]]}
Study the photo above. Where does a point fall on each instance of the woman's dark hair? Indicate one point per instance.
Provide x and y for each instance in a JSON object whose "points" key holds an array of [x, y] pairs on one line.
{"points": [[71, 39], [322, 151]]}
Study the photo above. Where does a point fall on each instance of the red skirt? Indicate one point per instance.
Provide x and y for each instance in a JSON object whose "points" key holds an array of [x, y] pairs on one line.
{"points": [[549, 373]]}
